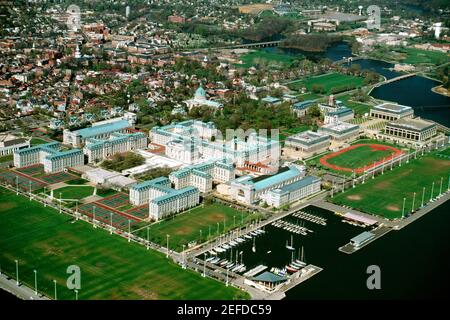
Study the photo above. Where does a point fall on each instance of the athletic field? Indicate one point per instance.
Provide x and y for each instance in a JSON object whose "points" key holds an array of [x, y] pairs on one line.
{"points": [[111, 268], [384, 195], [359, 157], [74, 192], [329, 82], [184, 228]]}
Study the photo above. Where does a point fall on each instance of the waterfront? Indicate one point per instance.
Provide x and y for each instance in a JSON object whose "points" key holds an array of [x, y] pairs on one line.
{"points": [[414, 264]]}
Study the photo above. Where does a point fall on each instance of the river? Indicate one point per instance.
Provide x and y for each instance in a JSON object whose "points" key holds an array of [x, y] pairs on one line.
{"points": [[415, 92]]}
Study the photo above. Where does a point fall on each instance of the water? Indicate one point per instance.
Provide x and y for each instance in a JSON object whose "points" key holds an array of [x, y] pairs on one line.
{"points": [[414, 264], [416, 92]]}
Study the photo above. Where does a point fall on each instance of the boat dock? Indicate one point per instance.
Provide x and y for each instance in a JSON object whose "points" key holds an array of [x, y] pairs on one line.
{"points": [[301, 276], [378, 232], [255, 271]]}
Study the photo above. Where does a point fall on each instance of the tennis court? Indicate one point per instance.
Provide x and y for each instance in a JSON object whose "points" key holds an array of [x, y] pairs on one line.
{"points": [[58, 177], [23, 181], [116, 200], [140, 212], [105, 214], [32, 170]]}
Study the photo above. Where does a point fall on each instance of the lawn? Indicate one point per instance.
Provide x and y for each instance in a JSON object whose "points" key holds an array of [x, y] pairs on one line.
{"points": [[357, 107], [384, 195], [36, 141], [74, 192], [8, 157], [359, 157], [186, 227], [78, 181], [111, 268], [260, 56], [417, 56], [331, 82]]}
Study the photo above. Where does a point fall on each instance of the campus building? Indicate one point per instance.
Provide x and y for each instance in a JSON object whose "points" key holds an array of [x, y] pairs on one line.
{"points": [[162, 199], [308, 142], [10, 143], [391, 111], [203, 175], [199, 99], [98, 150], [50, 155], [292, 192], [340, 115], [411, 129], [340, 131], [99, 130], [193, 141], [249, 190], [300, 108]]}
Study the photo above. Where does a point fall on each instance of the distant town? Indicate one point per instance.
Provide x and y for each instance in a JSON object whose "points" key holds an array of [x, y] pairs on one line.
{"points": [[214, 150]]}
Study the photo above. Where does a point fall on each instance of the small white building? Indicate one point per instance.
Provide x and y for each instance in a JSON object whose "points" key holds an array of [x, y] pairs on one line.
{"points": [[340, 131], [308, 142], [10, 143]]}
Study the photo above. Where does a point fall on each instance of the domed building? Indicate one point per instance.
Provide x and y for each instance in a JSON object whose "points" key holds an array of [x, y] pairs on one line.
{"points": [[201, 100]]}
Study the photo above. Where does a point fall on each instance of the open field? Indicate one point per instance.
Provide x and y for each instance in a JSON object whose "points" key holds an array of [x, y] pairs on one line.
{"points": [[384, 195], [260, 56], [186, 227], [7, 158], [37, 141], [357, 107], [359, 157], [417, 56], [74, 192], [111, 268], [328, 82]]}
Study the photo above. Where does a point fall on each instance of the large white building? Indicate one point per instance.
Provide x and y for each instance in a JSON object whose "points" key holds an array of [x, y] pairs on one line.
{"points": [[416, 130], [50, 155], [10, 143], [98, 150], [391, 111], [162, 199], [199, 99], [250, 190], [203, 175], [298, 190], [193, 141], [340, 131], [308, 142], [99, 130]]}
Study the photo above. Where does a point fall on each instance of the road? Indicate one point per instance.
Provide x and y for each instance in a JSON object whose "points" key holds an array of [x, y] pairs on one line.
{"points": [[21, 291]]}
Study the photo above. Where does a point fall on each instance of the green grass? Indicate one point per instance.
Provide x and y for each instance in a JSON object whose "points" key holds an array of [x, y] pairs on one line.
{"points": [[105, 192], [36, 141], [357, 107], [417, 56], [8, 157], [329, 82], [111, 268], [77, 181], [260, 56], [384, 195], [186, 227], [359, 157], [308, 96], [73, 192]]}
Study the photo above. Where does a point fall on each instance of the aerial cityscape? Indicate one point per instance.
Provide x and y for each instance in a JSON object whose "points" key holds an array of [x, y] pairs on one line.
{"points": [[224, 150]]}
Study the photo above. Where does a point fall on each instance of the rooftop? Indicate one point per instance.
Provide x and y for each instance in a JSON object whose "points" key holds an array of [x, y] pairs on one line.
{"points": [[393, 107], [412, 124], [306, 181], [277, 178], [339, 127], [103, 129]]}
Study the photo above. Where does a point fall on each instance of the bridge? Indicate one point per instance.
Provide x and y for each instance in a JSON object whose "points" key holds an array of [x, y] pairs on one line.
{"points": [[348, 59], [256, 45], [402, 77]]}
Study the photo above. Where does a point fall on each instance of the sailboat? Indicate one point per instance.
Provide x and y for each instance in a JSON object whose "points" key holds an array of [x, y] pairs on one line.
{"points": [[254, 245], [290, 247]]}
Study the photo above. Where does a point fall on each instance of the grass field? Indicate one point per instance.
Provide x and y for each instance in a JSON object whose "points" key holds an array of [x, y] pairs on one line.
{"points": [[260, 56], [359, 157], [8, 157], [357, 107], [384, 195], [329, 82], [186, 227], [417, 56], [77, 181], [36, 141], [74, 192], [111, 268]]}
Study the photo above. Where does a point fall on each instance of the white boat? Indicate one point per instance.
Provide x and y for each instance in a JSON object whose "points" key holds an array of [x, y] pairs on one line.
{"points": [[291, 246], [239, 240], [232, 243], [228, 266], [219, 249], [225, 246], [224, 262], [247, 236]]}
